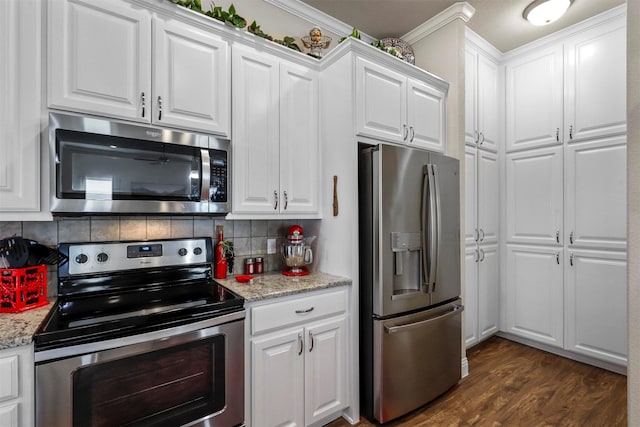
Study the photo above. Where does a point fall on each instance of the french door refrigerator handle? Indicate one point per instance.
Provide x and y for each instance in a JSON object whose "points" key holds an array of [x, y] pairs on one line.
{"points": [[435, 225], [402, 328], [423, 225]]}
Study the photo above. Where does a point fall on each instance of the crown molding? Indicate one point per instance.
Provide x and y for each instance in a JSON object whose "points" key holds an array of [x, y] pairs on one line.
{"points": [[317, 17], [480, 43], [461, 10]]}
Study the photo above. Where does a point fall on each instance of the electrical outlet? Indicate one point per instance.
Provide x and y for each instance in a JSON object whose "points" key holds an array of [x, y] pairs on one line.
{"points": [[271, 246]]}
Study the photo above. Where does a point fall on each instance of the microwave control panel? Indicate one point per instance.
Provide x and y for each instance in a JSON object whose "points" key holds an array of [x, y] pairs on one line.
{"points": [[219, 175]]}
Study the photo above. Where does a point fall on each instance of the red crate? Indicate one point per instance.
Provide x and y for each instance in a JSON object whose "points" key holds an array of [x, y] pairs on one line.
{"points": [[23, 288]]}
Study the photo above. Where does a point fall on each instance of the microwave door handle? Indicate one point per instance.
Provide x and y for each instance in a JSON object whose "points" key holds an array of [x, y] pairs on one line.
{"points": [[205, 176], [434, 225], [424, 206]]}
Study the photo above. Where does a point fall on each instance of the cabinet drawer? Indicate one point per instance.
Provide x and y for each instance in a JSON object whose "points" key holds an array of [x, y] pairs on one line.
{"points": [[9, 375], [284, 313]]}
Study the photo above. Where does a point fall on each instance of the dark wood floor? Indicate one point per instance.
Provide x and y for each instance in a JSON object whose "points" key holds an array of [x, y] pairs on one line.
{"points": [[514, 385]]}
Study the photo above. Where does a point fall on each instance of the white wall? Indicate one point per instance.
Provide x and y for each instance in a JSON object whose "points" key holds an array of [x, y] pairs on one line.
{"points": [[633, 208]]}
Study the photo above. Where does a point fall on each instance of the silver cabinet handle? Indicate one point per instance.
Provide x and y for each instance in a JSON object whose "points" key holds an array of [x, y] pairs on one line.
{"points": [[477, 255], [413, 133], [482, 252], [311, 338], [558, 258], [300, 344], [557, 236], [571, 238], [571, 132], [557, 134], [275, 198], [142, 102], [406, 132], [286, 200], [308, 310], [159, 108], [481, 235], [571, 259], [481, 138], [476, 235]]}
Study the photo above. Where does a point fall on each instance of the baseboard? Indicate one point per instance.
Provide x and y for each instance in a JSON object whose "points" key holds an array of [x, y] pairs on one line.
{"points": [[465, 367], [565, 353]]}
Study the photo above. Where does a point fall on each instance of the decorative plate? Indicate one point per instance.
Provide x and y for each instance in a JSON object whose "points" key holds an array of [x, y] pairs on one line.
{"points": [[402, 48]]}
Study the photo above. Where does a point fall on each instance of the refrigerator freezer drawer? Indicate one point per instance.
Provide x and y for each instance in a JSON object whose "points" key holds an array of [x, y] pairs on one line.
{"points": [[417, 357]]}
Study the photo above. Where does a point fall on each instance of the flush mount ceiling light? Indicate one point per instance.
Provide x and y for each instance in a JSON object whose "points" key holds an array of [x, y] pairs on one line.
{"points": [[543, 12]]}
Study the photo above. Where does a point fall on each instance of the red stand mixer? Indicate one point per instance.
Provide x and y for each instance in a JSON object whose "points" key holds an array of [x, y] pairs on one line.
{"points": [[297, 254]]}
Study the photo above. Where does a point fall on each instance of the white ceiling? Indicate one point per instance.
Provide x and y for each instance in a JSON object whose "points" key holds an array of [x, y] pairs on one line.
{"points": [[498, 21]]}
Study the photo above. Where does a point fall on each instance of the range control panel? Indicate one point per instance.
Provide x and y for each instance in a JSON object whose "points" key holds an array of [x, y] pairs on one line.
{"points": [[96, 257]]}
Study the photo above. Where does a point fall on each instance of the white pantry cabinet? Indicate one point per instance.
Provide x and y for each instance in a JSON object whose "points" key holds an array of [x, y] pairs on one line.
{"points": [[481, 99], [276, 148], [570, 91], [20, 107], [596, 304], [397, 108], [534, 293], [596, 193], [298, 360], [114, 59], [17, 387], [534, 196], [482, 299]]}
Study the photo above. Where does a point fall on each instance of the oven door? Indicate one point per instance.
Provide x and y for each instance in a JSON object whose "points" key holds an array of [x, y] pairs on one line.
{"points": [[181, 379]]}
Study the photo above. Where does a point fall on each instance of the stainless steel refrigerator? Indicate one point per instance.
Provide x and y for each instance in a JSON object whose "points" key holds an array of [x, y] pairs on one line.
{"points": [[410, 307]]}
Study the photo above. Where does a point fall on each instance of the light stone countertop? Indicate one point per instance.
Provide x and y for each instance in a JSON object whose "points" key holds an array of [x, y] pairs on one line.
{"points": [[17, 329], [274, 285]]}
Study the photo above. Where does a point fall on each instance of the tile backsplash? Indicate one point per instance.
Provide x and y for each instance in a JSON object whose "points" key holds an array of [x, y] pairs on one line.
{"points": [[249, 237]]}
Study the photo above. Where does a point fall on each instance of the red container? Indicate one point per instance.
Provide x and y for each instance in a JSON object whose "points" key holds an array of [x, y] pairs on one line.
{"points": [[23, 288]]}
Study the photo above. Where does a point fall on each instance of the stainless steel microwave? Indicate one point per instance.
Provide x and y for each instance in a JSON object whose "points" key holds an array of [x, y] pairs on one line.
{"points": [[104, 166]]}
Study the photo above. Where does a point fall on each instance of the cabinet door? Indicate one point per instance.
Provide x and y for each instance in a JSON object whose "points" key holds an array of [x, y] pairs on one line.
{"points": [[534, 196], [191, 79], [256, 150], [277, 386], [9, 415], [325, 369], [595, 80], [487, 109], [299, 140], [488, 197], [471, 258], [596, 304], [471, 235], [381, 98], [426, 113], [596, 193], [470, 96], [534, 292], [20, 106], [534, 99], [488, 291], [99, 58]]}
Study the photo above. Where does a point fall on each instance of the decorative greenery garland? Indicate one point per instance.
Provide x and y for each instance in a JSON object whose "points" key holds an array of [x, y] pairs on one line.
{"points": [[230, 17]]}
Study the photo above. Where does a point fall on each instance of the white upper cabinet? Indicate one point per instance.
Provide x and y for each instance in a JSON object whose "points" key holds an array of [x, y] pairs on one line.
{"points": [[100, 58], [596, 304], [105, 59], [595, 82], [276, 148], [191, 78], [535, 293], [20, 108], [393, 107], [534, 196], [534, 99], [596, 194], [481, 100]]}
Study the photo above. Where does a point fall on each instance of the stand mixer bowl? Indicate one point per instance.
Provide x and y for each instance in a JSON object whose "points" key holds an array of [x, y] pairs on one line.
{"points": [[296, 256]]}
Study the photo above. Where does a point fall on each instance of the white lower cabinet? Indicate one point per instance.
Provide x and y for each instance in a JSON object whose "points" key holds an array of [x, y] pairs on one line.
{"points": [[596, 304], [534, 293], [298, 360], [482, 299], [16, 387]]}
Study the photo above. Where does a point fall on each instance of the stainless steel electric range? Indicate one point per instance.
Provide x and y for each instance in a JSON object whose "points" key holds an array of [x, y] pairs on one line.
{"points": [[140, 335]]}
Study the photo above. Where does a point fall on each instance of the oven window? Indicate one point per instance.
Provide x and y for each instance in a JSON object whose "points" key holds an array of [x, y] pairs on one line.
{"points": [[101, 167], [171, 386]]}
